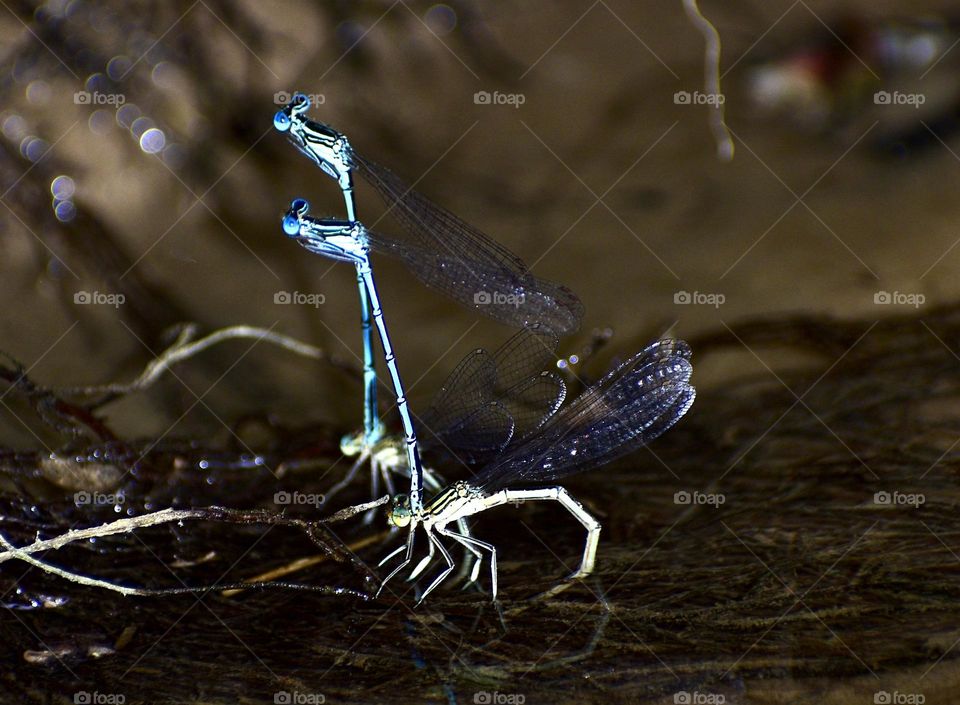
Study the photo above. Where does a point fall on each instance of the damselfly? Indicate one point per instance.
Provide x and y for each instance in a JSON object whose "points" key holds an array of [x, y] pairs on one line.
{"points": [[441, 250], [627, 408]]}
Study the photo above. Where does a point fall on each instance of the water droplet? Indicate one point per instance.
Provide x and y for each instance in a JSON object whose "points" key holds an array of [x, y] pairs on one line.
{"points": [[62, 188], [65, 211], [441, 19], [14, 128], [38, 92], [100, 122], [126, 114], [96, 83], [141, 125], [118, 67], [33, 148], [164, 74]]}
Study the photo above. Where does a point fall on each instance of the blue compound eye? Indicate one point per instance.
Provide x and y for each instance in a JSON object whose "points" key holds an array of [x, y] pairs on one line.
{"points": [[281, 121], [291, 225]]}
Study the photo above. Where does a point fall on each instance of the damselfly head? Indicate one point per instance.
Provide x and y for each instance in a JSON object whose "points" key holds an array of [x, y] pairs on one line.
{"points": [[400, 513], [352, 443], [291, 220], [283, 119]]}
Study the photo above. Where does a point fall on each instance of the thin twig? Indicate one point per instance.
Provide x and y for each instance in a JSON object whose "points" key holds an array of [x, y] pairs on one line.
{"points": [[185, 347], [165, 516], [712, 79]]}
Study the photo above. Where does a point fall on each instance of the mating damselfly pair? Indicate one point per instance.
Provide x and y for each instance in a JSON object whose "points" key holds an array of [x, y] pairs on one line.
{"points": [[502, 413]]}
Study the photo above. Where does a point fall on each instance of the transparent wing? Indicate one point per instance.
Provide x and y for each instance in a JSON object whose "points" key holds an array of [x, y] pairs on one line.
{"points": [[629, 407], [450, 255], [488, 400]]}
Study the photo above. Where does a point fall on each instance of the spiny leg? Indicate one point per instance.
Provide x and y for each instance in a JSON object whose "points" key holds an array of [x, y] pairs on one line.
{"points": [[403, 564], [443, 576], [465, 566], [435, 483], [348, 478], [424, 562], [377, 471], [473, 544], [384, 472], [374, 488]]}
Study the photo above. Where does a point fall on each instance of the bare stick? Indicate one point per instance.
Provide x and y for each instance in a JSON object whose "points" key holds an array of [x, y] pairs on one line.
{"points": [[185, 347], [164, 516], [712, 79], [120, 526]]}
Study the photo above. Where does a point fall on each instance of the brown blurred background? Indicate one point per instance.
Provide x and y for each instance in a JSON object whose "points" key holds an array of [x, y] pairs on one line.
{"points": [[598, 118]]}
